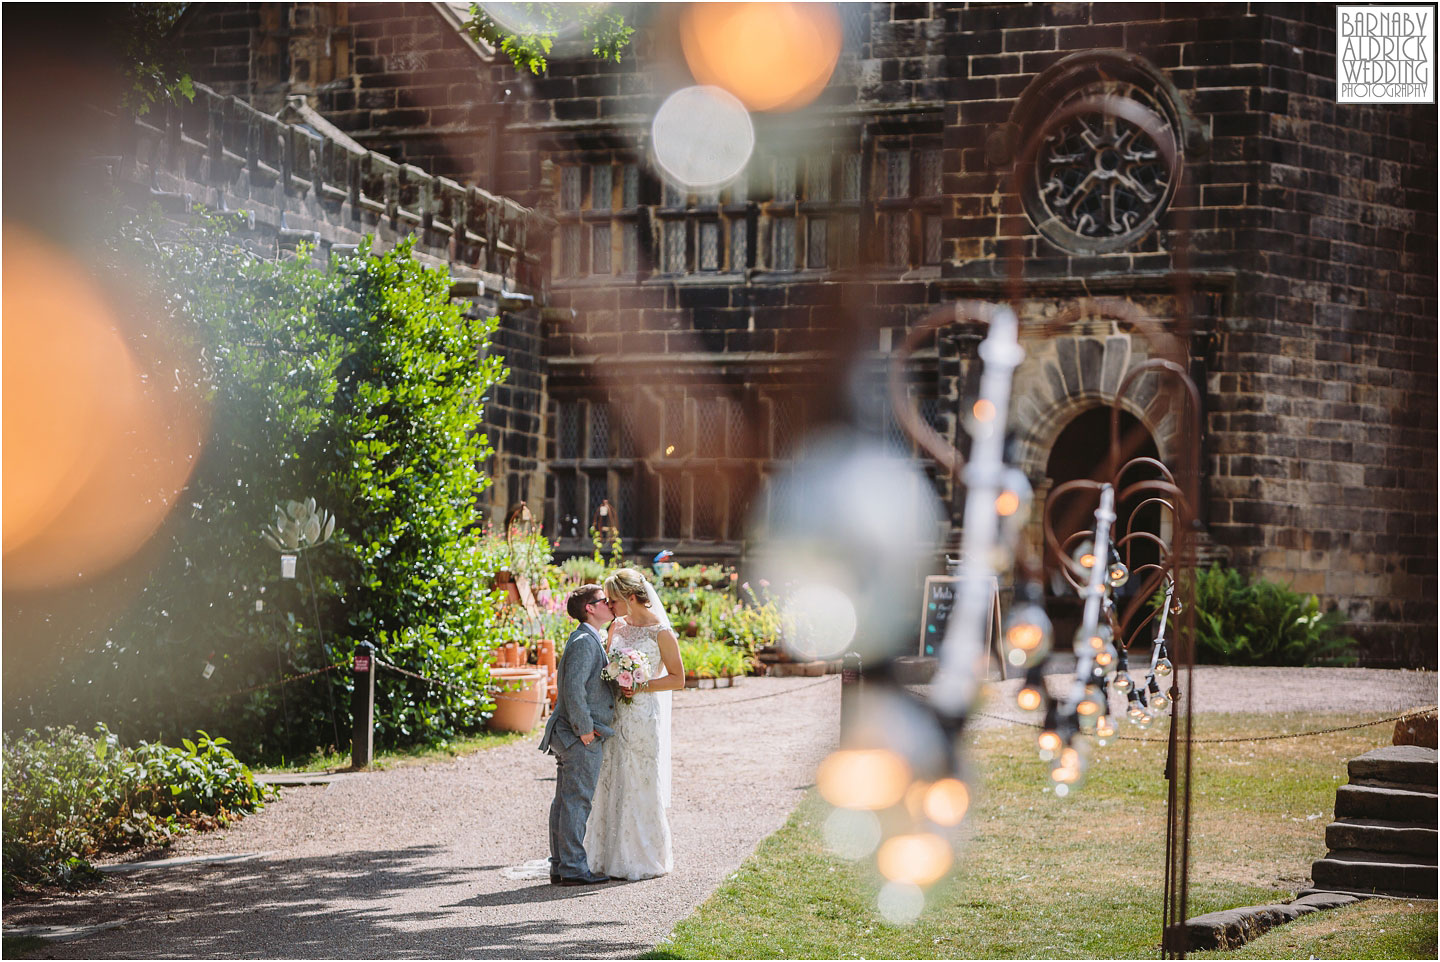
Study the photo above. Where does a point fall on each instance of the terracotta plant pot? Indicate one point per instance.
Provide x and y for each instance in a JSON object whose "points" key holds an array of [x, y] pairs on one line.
{"points": [[520, 701]]}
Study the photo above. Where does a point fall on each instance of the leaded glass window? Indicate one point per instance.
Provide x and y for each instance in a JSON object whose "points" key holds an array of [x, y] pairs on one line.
{"points": [[626, 503], [630, 186], [738, 510], [897, 246], [674, 246], [568, 430], [598, 492], [599, 440], [673, 505], [847, 240], [850, 177], [710, 246], [600, 249], [784, 180], [932, 238], [625, 435], [738, 245], [734, 428], [674, 196], [897, 173], [601, 179], [785, 426], [815, 249], [709, 429], [708, 499], [817, 178], [784, 253], [569, 188], [566, 503], [570, 250], [629, 248], [930, 172]]}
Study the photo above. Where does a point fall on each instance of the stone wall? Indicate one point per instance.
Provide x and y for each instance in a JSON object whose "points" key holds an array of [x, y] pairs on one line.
{"points": [[296, 186], [691, 337]]}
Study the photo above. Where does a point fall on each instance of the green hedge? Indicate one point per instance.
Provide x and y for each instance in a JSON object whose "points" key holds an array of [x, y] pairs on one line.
{"points": [[1243, 622], [69, 796], [361, 385]]}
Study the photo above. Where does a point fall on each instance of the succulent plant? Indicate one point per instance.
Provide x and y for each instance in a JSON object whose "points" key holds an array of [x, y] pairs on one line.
{"points": [[299, 525]]}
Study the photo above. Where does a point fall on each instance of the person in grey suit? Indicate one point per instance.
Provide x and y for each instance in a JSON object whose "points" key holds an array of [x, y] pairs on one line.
{"points": [[582, 719]]}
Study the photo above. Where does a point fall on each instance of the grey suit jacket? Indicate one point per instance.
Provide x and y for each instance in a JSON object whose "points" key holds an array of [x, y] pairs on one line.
{"points": [[585, 701]]}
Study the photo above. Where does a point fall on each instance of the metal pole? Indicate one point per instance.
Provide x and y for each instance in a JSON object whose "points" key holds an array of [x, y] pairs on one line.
{"points": [[849, 691], [362, 744]]}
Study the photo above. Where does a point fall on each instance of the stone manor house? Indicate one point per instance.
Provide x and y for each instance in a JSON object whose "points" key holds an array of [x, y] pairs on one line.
{"points": [[1312, 231]]}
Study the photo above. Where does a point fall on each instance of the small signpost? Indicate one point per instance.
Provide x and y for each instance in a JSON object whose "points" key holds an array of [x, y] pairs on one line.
{"points": [[939, 602], [362, 742]]}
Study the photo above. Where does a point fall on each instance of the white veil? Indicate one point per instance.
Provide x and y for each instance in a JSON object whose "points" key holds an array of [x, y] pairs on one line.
{"points": [[662, 698]]}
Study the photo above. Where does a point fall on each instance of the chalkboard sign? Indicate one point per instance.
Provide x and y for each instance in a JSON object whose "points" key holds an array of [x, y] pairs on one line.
{"points": [[941, 593]]}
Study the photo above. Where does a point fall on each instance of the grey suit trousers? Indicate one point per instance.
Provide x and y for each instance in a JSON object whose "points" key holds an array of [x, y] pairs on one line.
{"points": [[577, 771]]}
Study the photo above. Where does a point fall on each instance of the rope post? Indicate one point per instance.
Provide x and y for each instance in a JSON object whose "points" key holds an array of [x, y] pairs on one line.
{"points": [[362, 743], [849, 690]]}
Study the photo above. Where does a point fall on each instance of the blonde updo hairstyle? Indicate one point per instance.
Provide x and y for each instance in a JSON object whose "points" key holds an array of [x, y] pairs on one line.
{"points": [[629, 584]]}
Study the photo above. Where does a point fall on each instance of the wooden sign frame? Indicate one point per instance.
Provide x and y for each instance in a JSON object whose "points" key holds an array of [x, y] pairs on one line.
{"points": [[928, 622]]}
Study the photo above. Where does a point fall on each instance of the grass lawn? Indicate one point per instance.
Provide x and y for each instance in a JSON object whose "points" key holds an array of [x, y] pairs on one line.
{"points": [[1041, 877], [394, 757]]}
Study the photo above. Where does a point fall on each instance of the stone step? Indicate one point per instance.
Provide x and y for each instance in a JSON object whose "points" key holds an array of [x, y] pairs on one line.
{"points": [[1360, 871], [1380, 835], [1391, 804], [1398, 764]]}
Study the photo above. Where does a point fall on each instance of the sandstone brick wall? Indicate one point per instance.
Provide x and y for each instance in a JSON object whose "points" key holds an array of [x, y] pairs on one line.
{"points": [[1312, 241]]}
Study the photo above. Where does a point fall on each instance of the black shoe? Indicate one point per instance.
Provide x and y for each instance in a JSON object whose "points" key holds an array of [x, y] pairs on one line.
{"points": [[589, 878]]}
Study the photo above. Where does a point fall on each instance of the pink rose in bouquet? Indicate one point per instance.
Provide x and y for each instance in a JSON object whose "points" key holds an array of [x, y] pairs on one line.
{"points": [[627, 667]]}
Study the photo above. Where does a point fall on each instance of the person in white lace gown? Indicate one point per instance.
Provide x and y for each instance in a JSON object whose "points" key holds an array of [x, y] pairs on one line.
{"points": [[628, 835]]}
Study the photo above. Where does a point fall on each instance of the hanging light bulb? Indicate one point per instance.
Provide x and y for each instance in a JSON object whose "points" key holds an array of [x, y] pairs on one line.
{"points": [[1049, 744], [1117, 574], [1160, 701], [1176, 607], [1146, 720], [947, 801], [916, 859], [1104, 730], [1106, 659], [1068, 770], [1089, 642], [863, 779], [1084, 554], [1029, 635], [1136, 709], [1090, 708], [1122, 682], [1029, 698], [1164, 667]]}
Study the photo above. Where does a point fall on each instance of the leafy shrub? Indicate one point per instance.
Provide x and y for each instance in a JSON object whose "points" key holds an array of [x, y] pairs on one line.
{"points": [[1260, 622], [359, 386], [69, 796], [711, 659]]}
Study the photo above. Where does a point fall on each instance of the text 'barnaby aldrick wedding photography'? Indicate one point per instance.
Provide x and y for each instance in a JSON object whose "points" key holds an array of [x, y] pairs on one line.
{"points": [[1385, 54]]}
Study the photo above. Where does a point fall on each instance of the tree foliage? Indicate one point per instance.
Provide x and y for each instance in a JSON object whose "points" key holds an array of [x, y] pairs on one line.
{"points": [[601, 24], [360, 386]]}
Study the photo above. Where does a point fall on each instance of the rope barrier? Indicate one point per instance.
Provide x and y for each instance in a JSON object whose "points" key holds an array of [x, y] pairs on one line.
{"points": [[469, 691], [282, 681], [773, 694], [1240, 738]]}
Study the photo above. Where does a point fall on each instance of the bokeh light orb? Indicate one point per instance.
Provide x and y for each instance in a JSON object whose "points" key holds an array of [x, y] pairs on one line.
{"points": [[702, 137], [820, 620], [852, 834], [947, 801], [918, 859], [772, 56], [900, 903], [870, 778], [103, 424]]}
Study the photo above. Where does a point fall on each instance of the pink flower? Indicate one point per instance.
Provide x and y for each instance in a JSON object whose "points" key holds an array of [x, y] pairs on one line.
{"points": [[626, 679]]}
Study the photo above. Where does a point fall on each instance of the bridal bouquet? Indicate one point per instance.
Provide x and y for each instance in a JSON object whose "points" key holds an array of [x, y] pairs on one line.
{"points": [[627, 667]]}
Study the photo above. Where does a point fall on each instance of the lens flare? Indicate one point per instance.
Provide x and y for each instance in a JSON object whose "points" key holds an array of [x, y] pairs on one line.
{"points": [[918, 859], [863, 778], [702, 137], [772, 56], [900, 903], [947, 801], [821, 620], [852, 834], [984, 410], [101, 428], [1028, 698], [1007, 503]]}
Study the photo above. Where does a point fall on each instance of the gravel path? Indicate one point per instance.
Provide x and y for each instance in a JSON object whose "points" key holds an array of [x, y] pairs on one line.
{"points": [[410, 862]]}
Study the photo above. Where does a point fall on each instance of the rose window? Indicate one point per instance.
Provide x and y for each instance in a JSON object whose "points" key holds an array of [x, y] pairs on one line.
{"points": [[1099, 181]]}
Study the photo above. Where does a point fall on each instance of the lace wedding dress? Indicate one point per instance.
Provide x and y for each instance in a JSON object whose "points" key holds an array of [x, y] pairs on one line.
{"points": [[628, 835]]}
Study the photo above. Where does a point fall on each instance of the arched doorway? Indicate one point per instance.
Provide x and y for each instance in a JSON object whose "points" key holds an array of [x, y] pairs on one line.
{"points": [[1082, 450]]}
